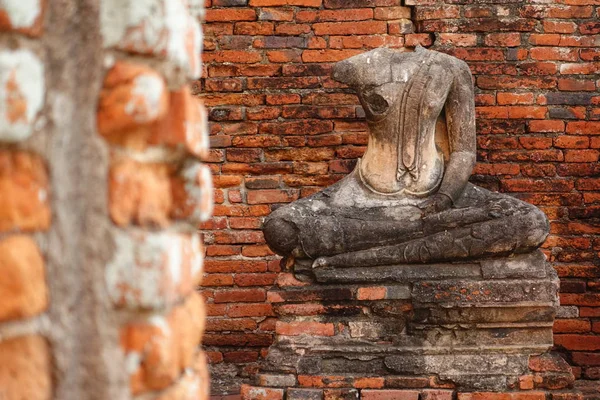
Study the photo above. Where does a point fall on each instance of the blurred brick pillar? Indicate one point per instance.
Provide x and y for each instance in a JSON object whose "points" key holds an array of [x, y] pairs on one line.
{"points": [[101, 193]]}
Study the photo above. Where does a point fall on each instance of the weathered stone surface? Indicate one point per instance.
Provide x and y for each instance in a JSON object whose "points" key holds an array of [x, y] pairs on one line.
{"points": [[304, 394], [271, 380], [473, 315], [397, 273], [22, 89], [459, 364], [526, 266], [462, 293]]}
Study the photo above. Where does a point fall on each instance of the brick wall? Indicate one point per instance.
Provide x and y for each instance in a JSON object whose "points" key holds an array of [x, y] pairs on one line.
{"points": [[282, 129], [101, 192]]}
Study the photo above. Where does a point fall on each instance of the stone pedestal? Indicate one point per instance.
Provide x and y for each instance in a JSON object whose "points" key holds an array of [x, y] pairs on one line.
{"points": [[415, 332]]}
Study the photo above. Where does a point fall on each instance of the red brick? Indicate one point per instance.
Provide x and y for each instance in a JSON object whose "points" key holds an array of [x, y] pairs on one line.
{"points": [[304, 328], [240, 296], [571, 326], [514, 98], [503, 39], [389, 395], [578, 342], [230, 14], [249, 310], [350, 28], [391, 13]]}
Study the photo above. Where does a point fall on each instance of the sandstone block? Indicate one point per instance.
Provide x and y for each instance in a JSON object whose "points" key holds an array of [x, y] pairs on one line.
{"points": [[153, 270], [22, 89], [24, 187], [25, 369], [22, 280]]}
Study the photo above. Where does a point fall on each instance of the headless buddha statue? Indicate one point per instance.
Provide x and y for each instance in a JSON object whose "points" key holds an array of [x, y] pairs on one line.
{"points": [[408, 200]]}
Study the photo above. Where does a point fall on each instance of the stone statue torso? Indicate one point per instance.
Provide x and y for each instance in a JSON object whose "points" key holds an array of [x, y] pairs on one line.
{"points": [[403, 158]]}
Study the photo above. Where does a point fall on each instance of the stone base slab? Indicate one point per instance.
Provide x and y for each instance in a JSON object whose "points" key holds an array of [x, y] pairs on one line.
{"points": [[484, 326], [269, 393]]}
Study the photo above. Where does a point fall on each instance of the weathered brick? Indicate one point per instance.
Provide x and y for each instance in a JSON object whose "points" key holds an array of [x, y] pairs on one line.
{"points": [[162, 29], [304, 328], [256, 393], [22, 278], [25, 368], [389, 394], [24, 204]]}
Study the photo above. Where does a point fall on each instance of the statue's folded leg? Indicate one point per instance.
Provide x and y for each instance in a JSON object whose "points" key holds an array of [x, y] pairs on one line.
{"points": [[516, 233], [309, 236]]}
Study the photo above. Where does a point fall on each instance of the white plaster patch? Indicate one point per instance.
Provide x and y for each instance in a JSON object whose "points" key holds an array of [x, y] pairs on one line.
{"points": [[146, 269], [147, 92], [21, 13], [133, 362], [199, 188], [21, 93], [158, 27]]}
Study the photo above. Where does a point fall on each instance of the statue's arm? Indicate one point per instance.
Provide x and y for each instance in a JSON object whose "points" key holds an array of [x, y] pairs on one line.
{"points": [[460, 118]]}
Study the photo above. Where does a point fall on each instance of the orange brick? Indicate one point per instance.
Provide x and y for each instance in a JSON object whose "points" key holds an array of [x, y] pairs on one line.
{"points": [[139, 193], [185, 124], [164, 346], [369, 383], [304, 328], [24, 187], [25, 369], [371, 293], [22, 279], [132, 96]]}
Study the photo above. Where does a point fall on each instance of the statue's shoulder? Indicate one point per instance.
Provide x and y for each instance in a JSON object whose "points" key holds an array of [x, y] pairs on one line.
{"points": [[446, 60]]}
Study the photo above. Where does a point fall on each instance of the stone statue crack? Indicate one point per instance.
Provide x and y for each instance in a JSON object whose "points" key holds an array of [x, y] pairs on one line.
{"points": [[408, 200]]}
